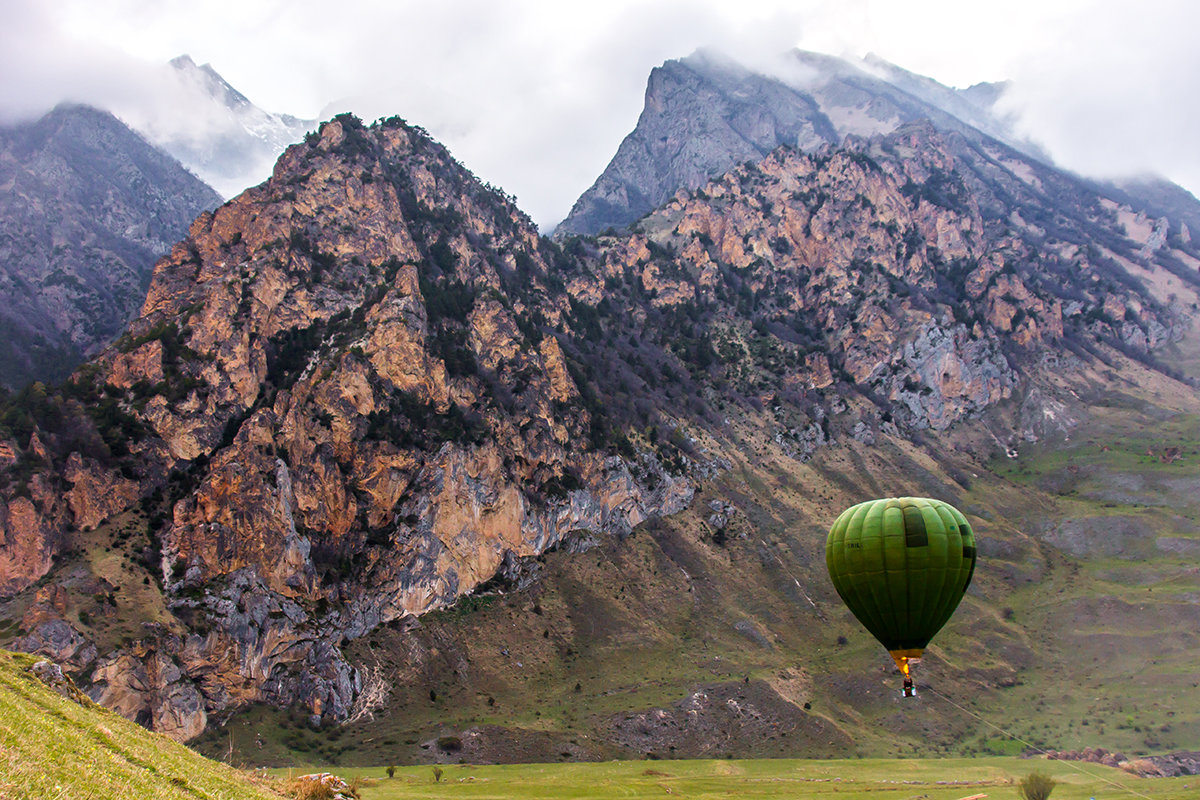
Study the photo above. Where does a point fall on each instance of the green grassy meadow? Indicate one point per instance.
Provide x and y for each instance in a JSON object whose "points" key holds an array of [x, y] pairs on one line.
{"points": [[852, 779]]}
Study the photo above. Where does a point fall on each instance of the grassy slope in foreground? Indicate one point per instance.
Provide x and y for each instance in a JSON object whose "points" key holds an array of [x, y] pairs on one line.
{"points": [[54, 747], [933, 779]]}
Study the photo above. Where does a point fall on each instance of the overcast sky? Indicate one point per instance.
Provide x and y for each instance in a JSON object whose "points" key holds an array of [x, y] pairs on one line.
{"points": [[535, 96]]}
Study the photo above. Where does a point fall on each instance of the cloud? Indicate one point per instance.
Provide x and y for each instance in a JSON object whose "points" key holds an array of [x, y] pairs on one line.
{"points": [[43, 66], [1116, 95], [535, 96]]}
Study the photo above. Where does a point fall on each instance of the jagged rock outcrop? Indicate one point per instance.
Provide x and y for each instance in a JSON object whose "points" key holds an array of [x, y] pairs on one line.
{"points": [[147, 685], [50, 634], [1171, 765], [88, 207], [29, 538], [52, 675], [879, 268]]}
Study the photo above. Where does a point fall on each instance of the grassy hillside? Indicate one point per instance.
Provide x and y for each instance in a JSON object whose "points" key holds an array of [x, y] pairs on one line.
{"points": [[931, 779], [51, 746]]}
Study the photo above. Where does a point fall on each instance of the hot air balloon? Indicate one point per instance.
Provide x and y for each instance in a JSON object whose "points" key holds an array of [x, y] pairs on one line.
{"points": [[901, 565]]}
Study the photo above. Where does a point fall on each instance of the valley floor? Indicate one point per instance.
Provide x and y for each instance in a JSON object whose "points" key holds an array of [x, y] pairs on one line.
{"points": [[930, 779]]}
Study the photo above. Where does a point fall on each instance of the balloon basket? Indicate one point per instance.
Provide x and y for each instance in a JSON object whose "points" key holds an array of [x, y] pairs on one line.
{"points": [[904, 659]]}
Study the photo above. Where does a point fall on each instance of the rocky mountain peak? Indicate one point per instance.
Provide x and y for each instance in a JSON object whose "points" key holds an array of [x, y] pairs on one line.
{"points": [[211, 127], [343, 404], [216, 86], [706, 113]]}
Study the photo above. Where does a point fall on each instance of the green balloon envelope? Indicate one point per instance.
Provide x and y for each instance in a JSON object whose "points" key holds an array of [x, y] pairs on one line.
{"points": [[901, 565]]}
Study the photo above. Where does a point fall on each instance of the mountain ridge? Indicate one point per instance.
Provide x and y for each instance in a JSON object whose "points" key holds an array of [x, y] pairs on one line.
{"points": [[217, 362], [365, 400], [705, 113]]}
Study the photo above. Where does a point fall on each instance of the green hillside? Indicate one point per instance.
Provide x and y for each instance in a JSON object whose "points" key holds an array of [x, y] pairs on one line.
{"points": [[51, 746]]}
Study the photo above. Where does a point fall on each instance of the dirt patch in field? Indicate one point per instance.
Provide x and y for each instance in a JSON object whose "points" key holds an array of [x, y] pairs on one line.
{"points": [[496, 744], [741, 720], [1119, 536]]}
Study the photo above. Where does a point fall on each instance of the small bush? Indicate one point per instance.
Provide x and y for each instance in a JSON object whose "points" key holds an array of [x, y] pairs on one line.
{"points": [[437, 774], [316, 787], [1036, 786], [391, 771]]}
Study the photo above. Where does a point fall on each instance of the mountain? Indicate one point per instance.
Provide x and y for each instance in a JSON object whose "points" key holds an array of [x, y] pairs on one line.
{"points": [[705, 113], [87, 208], [213, 129], [878, 319], [363, 334], [376, 451], [975, 105]]}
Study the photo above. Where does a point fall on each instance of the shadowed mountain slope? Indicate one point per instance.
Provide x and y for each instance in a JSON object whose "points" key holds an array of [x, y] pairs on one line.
{"points": [[88, 206]]}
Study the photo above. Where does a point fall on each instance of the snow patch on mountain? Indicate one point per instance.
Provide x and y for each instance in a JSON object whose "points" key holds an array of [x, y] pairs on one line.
{"points": [[211, 127]]}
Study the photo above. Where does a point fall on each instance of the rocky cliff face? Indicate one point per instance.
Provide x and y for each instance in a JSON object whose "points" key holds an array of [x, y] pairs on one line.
{"points": [[702, 115], [880, 281], [366, 387], [87, 208]]}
